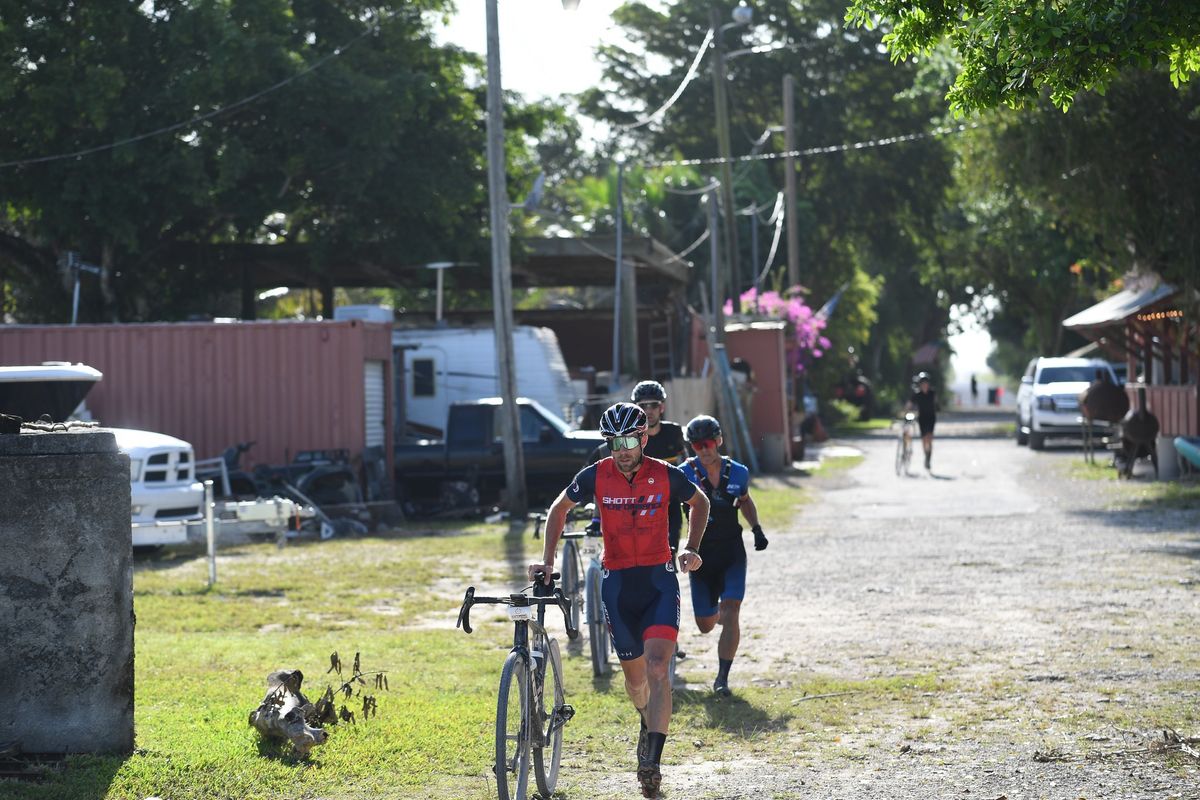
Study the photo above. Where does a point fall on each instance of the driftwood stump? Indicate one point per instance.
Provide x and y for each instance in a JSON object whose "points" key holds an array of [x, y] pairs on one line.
{"points": [[282, 713]]}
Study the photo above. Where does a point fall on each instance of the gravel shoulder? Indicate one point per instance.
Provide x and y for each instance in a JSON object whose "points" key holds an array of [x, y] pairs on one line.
{"points": [[1025, 640]]}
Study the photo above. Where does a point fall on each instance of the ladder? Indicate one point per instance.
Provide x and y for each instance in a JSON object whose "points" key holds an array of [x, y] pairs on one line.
{"points": [[662, 354]]}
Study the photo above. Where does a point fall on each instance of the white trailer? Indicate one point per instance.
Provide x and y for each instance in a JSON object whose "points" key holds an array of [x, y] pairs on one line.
{"points": [[449, 365]]}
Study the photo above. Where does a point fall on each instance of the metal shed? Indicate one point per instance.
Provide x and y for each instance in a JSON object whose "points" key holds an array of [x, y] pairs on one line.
{"points": [[288, 386]]}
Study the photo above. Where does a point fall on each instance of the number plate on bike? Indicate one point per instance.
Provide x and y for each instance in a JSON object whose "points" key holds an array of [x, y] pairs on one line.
{"points": [[519, 613]]}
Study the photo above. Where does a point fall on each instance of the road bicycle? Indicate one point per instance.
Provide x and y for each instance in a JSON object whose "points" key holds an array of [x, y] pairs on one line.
{"points": [[582, 578], [531, 709], [904, 443]]}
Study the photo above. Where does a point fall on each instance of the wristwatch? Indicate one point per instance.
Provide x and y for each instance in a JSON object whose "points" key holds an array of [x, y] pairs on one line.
{"points": [[689, 550]]}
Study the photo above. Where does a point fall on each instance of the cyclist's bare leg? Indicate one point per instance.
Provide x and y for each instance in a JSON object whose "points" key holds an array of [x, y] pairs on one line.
{"points": [[706, 624], [731, 628], [927, 443], [647, 685], [636, 684]]}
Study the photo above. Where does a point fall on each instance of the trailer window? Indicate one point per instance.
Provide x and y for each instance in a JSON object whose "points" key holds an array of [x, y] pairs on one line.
{"points": [[423, 384], [532, 425]]}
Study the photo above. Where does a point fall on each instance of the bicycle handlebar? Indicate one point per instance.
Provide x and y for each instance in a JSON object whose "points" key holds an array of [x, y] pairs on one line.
{"points": [[519, 599]]}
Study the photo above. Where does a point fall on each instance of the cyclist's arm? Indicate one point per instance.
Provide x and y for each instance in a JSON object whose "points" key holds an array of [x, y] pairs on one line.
{"points": [[698, 506], [556, 520], [582, 487], [748, 509]]}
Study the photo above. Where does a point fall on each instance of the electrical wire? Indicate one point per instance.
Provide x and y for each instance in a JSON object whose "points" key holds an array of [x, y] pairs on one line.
{"points": [[337, 51], [687, 79], [813, 151]]}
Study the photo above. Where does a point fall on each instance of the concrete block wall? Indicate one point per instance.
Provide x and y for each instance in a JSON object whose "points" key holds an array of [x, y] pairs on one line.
{"points": [[66, 593]]}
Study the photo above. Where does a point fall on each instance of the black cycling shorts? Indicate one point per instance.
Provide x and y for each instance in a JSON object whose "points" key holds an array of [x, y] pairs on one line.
{"points": [[926, 424]]}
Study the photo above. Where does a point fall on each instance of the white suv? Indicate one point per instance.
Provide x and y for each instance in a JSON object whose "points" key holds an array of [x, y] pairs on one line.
{"points": [[1048, 400]]}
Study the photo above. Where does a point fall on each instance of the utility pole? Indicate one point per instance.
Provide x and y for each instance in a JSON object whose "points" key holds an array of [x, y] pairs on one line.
{"points": [[789, 179], [717, 311], [726, 281], [615, 382], [502, 303]]}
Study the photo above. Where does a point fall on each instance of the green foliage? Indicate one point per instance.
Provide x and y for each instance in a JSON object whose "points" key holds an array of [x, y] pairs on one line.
{"points": [[865, 216], [374, 138], [1013, 51]]}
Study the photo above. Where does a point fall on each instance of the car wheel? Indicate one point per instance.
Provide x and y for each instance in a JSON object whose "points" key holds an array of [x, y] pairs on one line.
{"points": [[1037, 441], [1022, 436]]}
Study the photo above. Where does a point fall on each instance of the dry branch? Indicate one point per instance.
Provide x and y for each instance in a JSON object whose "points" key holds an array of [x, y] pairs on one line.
{"points": [[282, 713]]}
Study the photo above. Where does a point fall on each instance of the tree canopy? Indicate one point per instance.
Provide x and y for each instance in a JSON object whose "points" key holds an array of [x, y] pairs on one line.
{"points": [[1010, 51], [337, 124]]}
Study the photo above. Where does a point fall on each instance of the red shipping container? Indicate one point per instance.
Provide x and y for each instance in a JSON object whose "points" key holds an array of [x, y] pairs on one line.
{"points": [[286, 385]]}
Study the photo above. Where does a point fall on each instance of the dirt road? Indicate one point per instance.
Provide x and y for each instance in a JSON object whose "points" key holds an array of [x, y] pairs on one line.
{"points": [[1055, 634]]}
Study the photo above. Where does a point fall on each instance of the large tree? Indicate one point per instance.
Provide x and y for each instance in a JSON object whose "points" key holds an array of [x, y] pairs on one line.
{"points": [[866, 214], [338, 124], [1011, 51]]}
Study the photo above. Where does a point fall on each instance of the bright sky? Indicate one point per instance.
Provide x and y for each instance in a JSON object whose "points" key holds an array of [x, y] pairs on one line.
{"points": [[544, 51]]}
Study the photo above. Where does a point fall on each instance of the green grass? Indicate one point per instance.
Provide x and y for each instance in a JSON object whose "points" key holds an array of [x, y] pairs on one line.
{"points": [[778, 499], [852, 427], [202, 657], [834, 464], [1141, 492]]}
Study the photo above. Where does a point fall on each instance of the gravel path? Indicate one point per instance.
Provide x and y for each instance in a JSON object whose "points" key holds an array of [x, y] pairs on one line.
{"points": [[1044, 623]]}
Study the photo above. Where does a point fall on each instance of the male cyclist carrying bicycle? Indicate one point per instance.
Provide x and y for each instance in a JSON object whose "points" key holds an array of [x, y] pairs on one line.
{"points": [[640, 591], [719, 584]]}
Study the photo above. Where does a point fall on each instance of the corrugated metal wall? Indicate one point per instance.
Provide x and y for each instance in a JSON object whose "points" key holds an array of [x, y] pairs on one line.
{"points": [[289, 386]]}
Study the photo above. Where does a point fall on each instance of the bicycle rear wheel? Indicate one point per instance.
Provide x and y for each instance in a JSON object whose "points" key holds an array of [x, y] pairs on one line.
{"points": [[908, 451], [511, 767], [597, 627], [547, 757], [571, 581]]}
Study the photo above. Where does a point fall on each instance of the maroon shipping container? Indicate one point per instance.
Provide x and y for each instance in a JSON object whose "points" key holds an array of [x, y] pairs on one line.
{"points": [[289, 386]]}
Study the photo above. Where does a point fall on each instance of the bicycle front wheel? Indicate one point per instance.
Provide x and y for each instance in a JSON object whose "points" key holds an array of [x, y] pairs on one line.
{"points": [[551, 718], [571, 582], [512, 731], [597, 627], [899, 455]]}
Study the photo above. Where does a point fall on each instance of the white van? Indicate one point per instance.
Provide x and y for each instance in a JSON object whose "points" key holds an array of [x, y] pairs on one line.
{"points": [[447, 365], [1048, 398]]}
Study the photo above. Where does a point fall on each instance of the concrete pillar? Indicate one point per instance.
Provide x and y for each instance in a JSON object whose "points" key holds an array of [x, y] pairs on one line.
{"points": [[66, 593]]}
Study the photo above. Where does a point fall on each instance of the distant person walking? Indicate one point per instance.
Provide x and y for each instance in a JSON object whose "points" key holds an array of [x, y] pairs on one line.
{"points": [[924, 400], [719, 584], [974, 391]]}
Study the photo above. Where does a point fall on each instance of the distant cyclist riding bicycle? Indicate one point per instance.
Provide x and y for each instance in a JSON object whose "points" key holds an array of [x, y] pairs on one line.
{"points": [[640, 590], [719, 584], [924, 400]]}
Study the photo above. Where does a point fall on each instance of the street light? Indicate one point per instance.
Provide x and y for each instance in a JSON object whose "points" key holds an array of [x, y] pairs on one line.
{"points": [[441, 267], [742, 15], [510, 426]]}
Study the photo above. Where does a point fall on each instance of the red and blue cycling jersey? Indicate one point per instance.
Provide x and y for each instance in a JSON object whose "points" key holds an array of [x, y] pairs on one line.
{"points": [[634, 518]]}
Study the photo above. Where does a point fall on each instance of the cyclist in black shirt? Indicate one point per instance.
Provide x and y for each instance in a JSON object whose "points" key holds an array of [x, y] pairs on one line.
{"points": [[924, 400]]}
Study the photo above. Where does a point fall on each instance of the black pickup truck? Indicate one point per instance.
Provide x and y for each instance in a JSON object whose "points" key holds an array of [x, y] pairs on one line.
{"points": [[467, 467]]}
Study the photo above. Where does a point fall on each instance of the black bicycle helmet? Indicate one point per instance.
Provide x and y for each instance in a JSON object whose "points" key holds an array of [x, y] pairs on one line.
{"points": [[622, 419], [649, 390], [701, 428], [922, 376]]}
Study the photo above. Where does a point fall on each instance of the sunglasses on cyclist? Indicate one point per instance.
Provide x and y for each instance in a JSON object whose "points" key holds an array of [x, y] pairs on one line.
{"points": [[704, 444], [623, 443], [650, 405]]}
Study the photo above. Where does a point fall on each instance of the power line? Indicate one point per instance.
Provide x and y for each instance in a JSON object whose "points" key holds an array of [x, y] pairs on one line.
{"points": [[812, 151], [687, 79], [337, 51]]}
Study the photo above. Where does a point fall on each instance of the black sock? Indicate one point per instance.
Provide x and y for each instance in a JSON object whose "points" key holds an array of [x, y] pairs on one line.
{"points": [[657, 742], [723, 668]]}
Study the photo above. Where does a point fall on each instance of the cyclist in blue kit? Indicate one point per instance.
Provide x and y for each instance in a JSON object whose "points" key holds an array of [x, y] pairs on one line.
{"points": [[719, 584], [640, 592]]}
